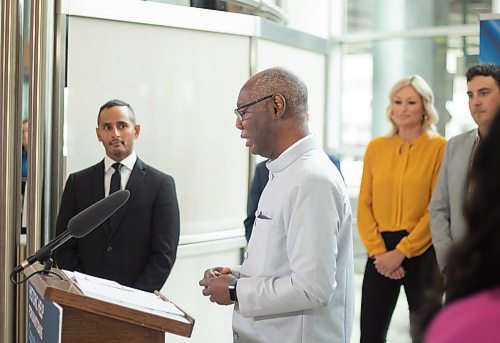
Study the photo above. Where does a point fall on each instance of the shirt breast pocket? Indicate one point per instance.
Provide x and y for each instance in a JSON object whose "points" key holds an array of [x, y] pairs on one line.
{"points": [[266, 248]]}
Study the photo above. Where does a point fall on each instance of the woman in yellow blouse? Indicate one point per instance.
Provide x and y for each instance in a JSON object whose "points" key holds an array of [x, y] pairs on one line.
{"points": [[399, 174]]}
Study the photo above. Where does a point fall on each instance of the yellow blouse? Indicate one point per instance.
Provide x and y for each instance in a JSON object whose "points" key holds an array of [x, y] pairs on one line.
{"points": [[396, 187]]}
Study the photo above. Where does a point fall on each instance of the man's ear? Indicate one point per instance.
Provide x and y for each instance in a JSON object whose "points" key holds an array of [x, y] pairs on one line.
{"points": [[279, 104], [97, 133], [137, 131]]}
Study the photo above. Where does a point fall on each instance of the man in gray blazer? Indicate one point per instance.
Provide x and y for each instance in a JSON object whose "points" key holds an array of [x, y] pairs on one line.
{"points": [[446, 207]]}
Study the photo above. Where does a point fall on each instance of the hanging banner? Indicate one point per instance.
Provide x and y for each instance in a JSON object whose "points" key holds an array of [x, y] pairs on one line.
{"points": [[489, 39]]}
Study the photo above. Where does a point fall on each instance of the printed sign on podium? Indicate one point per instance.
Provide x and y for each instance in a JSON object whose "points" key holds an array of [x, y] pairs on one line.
{"points": [[44, 319]]}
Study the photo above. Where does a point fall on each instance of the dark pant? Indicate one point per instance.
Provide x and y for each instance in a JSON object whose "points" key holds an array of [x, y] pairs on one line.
{"points": [[380, 294]]}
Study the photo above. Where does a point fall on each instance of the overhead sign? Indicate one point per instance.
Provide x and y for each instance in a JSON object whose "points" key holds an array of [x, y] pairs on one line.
{"points": [[489, 39]]}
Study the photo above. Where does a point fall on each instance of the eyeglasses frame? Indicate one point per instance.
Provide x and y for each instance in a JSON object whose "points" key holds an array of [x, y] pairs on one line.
{"points": [[237, 110]]}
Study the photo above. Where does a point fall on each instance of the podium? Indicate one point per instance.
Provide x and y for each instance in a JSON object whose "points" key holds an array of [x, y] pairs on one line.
{"points": [[87, 319]]}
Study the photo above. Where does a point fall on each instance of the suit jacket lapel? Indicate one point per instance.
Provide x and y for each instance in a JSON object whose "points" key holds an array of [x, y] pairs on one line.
{"points": [[97, 182], [133, 185], [467, 149], [97, 186]]}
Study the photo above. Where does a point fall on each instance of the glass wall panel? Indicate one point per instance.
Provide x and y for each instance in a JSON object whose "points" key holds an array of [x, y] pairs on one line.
{"points": [[370, 69], [357, 95]]}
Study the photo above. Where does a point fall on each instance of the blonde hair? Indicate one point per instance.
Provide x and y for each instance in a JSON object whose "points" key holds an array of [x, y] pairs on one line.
{"points": [[427, 96]]}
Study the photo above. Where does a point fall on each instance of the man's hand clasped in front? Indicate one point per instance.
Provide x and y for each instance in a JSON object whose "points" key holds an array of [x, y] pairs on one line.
{"points": [[216, 283]]}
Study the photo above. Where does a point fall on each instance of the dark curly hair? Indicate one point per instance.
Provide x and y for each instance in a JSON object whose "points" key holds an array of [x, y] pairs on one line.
{"points": [[486, 69]]}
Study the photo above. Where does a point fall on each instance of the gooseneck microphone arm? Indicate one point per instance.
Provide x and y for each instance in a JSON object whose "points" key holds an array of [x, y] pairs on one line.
{"points": [[79, 226], [44, 253]]}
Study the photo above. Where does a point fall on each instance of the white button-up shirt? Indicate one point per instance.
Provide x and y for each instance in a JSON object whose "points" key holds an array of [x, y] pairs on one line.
{"points": [[128, 165], [296, 283]]}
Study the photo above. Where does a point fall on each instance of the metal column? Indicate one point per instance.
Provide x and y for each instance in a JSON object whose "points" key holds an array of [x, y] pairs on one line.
{"points": [[10, 157]]}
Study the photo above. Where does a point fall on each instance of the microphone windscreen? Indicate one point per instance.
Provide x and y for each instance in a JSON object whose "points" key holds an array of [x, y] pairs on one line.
{"points": [[93, 216]]}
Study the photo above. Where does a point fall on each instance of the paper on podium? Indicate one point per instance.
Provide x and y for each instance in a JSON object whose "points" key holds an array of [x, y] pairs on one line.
{"points": [[111, 291]]}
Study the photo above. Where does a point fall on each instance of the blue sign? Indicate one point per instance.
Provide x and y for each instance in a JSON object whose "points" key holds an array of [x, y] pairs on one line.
{"points": [[44, 319], [489, 41]]}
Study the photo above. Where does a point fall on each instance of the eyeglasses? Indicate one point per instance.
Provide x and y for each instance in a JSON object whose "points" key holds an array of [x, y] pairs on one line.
{"points": [[240, 114]]}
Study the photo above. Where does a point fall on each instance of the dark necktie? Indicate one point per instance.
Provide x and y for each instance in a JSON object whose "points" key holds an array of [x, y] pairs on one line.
{"points": [[116, 178]]}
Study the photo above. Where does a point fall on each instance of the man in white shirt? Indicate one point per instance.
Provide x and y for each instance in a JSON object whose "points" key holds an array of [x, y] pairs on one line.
{"points": [[296, 282]]}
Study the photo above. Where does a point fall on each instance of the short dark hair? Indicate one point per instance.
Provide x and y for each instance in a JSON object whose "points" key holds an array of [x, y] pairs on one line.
{"points": [[113, 103], [487, 69]]}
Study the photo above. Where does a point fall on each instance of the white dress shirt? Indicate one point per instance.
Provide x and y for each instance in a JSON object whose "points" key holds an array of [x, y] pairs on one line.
{"points": [[296, 282], [128, 165]]}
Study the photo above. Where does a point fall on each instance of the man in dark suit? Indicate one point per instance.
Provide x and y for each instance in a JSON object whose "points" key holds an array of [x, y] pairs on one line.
{"points": [[137, 246], [259, 182]]}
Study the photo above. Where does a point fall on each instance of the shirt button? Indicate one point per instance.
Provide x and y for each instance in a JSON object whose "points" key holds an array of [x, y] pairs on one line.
{"points": [[271, 176], [235, 336], [110, 249], [245, 255]]}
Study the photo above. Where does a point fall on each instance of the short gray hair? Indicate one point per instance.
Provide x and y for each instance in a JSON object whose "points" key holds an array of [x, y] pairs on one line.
{"points": [[278, 80]]}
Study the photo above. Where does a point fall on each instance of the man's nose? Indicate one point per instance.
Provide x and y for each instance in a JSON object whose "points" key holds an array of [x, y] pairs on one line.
{"points": [[239, 124], [475, 101]]}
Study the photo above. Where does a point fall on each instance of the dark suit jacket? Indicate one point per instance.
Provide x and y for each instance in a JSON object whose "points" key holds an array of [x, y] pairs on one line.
{"points": [[260, 178], [259, 182], [138, 245]]}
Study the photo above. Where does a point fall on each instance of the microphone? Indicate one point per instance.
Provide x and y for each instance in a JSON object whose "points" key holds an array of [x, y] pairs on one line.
{"points": [[79, 226], [93, 216]]}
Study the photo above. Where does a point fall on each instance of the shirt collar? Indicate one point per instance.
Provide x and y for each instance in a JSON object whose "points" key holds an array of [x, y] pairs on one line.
{"points": [[128, 162], [422, 138], [292, 153]]}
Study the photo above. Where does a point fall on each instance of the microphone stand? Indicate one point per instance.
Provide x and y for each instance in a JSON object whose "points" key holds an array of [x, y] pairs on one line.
{"points": [[79, 226], [43, 255]]}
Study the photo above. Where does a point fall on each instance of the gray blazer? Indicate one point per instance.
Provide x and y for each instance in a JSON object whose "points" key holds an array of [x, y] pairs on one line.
{"points": [[446, 207]]}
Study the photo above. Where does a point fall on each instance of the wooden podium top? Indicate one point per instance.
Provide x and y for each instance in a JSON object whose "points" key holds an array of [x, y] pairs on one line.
{"points": [[65, 293]]}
